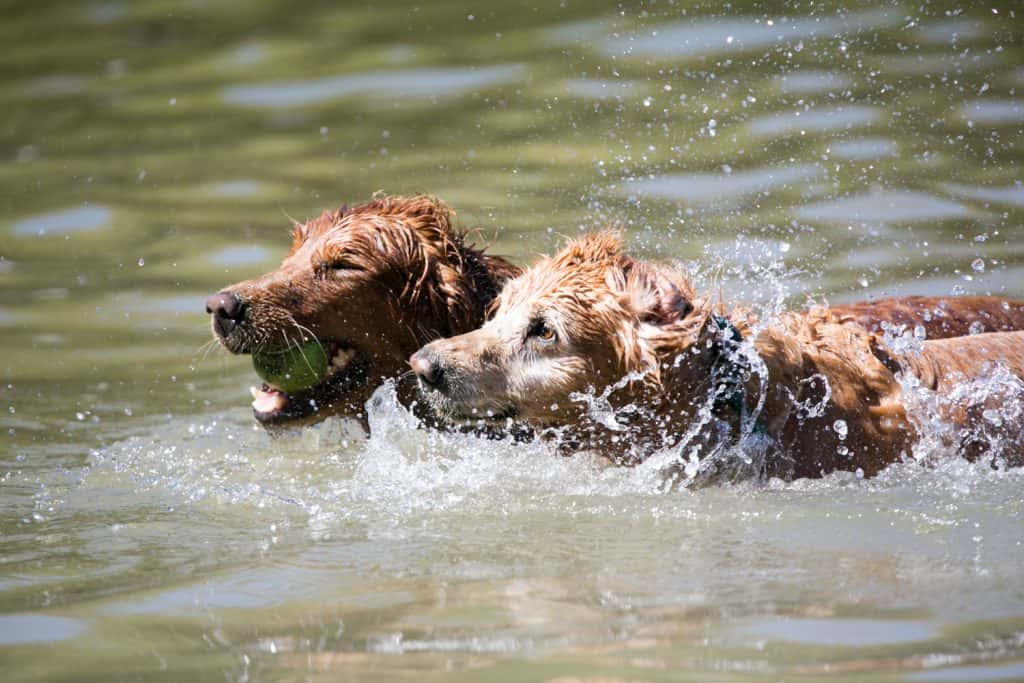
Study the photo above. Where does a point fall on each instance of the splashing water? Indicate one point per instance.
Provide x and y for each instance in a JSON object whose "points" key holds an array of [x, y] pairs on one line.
{"points": [[995, 398], [599, 407]]}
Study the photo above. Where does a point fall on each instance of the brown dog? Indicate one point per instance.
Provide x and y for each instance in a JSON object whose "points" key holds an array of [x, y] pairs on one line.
{"points": [[372, 284], [625, 358]]}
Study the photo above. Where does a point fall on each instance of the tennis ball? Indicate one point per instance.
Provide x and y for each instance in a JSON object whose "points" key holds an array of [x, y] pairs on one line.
{"points": [[298, 368]]}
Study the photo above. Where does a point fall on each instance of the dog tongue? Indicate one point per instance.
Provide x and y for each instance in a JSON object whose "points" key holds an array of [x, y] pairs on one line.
{"points": [[267, 400]]}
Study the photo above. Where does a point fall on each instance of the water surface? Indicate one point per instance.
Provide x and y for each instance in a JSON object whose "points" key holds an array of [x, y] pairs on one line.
{"points": [[152, 153]]}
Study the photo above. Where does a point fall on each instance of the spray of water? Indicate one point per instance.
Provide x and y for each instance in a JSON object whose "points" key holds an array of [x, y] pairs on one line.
{"points": [[994, 398]]}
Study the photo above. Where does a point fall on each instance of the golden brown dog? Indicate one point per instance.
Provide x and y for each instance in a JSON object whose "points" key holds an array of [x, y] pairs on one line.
{"points": [[372, 284], [624, 357]]}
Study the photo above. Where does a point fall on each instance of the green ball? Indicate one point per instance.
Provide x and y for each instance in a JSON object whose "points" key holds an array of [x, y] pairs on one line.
{"points": [[298, 368]]}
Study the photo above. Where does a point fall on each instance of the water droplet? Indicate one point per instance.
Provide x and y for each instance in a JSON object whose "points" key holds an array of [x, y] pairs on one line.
{"points": [[977, 327], [978, 265], [920, 333], [992, 416], [839, 427], [142, 262]]}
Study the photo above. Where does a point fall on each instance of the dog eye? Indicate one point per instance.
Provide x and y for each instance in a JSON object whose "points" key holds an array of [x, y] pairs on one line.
{"points": [[336, 267], [540, 331]]}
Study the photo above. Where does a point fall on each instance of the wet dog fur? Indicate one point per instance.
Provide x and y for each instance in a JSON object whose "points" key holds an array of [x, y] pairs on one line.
{"points": [[624, 357], [371, 283]]}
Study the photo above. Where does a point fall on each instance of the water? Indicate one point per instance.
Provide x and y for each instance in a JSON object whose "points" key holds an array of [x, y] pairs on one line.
{"points": [[153, 153]]}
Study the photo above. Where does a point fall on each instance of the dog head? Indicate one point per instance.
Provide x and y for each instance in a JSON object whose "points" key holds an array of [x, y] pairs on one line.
{"points": [[370, 284], [589, 320]]}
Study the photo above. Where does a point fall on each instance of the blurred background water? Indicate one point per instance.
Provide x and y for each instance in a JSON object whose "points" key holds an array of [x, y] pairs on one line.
{"points": [[151, 152]]}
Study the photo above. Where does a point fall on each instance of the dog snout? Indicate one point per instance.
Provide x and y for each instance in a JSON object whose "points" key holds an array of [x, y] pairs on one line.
{"points": [[428, 368], [227, 309]]}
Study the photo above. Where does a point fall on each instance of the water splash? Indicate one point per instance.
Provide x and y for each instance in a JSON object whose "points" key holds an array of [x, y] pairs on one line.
{"points": [[992, 399], [599, 407]]}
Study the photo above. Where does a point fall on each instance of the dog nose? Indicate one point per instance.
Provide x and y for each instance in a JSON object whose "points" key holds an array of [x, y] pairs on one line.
{"points": [[427, 368], [227, 310]]}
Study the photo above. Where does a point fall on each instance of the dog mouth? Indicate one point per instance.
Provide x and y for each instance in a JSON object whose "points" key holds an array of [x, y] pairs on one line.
{"points": [[458, 413], [347, 370]]}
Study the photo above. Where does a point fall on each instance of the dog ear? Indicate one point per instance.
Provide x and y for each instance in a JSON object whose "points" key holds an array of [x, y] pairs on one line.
{"points": [[597, 248], [655, 297]]}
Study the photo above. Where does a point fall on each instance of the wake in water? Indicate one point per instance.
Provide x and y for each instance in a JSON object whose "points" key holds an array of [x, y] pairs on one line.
{"points": [[332, 472]]}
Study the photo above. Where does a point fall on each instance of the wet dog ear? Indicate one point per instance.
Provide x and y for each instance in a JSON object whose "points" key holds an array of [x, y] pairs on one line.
{"points": [[671, 305], [655, 297]]}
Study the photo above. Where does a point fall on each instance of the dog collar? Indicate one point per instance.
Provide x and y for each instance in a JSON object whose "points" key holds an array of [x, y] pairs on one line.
{"points": [[730, 369]]}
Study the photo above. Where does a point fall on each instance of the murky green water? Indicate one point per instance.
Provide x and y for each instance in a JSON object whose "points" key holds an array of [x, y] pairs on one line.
{"points": [[153, 152]]}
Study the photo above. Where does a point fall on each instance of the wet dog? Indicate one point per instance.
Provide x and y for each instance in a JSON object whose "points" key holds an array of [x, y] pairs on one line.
{"points": [[371, 284], [624, 357]]}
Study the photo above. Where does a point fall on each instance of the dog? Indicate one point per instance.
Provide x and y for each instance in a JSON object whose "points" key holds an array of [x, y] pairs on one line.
{"points": [[371, 284], [624, 357]]}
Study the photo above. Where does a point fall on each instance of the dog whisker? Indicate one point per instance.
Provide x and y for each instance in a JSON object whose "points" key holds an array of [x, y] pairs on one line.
{"points": [[205, 349], [303, 330]]}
